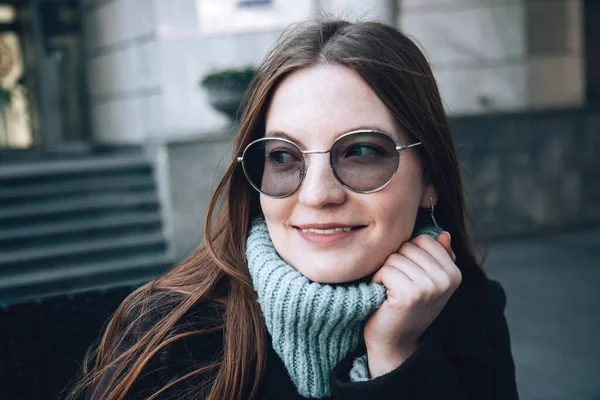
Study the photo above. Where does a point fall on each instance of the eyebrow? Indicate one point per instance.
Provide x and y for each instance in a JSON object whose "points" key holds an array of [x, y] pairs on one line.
{"points": [[281, 134]]}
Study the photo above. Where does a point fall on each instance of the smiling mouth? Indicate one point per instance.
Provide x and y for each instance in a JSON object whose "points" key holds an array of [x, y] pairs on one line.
{"points": [[327, 236], [329, 231], [326, 231]]}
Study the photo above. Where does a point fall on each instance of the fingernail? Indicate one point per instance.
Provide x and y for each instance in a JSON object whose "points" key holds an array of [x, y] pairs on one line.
{"points": [[449, 237]]}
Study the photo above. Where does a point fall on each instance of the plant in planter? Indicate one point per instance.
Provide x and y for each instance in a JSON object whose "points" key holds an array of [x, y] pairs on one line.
{"points": [[226, 88]]}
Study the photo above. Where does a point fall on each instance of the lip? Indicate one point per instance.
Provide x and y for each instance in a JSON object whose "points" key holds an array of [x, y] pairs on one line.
{"points": [[326, 226], [328, 238]]}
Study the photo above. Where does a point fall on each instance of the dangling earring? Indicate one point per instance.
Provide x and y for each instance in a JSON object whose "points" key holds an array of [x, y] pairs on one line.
{"points": [[431, 210]]}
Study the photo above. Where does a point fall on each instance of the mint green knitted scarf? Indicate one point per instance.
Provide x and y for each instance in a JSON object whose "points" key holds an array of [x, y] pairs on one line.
{"points": [[313, 326]]}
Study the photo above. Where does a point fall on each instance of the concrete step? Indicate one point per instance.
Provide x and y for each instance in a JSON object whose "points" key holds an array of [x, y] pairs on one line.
{"points": [[82, 196], [49, 188], [79, 226], [101, 203], [94, 233], [40, 284], [68, 216], [65, 167], [27, 257], [76, 223]]}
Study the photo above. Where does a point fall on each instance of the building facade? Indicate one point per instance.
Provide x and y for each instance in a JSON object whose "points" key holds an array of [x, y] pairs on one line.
{"points": [[126, 72], [119, 80], [144, 58]]}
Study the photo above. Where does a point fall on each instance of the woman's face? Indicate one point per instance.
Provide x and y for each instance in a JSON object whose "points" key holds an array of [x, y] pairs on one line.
{"points": [[314, 106]]}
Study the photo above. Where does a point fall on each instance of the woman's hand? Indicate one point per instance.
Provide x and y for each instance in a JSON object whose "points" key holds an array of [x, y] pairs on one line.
{"points": [[420, 278]]}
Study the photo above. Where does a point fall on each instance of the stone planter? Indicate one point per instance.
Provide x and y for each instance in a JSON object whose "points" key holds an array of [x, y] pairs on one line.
{"points": [[225, 98], [226, 88]]}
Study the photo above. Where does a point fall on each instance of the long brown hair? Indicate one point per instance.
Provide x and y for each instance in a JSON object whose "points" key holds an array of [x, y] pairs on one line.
{"points": [[396, 70]]}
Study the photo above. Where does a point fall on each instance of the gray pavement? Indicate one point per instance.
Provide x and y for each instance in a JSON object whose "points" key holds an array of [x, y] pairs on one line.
{"points": [[553, 291]]}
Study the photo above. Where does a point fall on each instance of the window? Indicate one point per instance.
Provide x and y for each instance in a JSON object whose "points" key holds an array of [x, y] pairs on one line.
{"points": [[254, 3], [7, 13], [227, 17]]}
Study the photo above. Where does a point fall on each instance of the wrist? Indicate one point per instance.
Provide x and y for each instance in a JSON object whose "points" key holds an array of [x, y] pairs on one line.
{"points": [[384, 360]]}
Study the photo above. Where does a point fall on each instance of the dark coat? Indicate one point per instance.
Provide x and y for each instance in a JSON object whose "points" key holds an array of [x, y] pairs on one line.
{"points": [[464, 354]]}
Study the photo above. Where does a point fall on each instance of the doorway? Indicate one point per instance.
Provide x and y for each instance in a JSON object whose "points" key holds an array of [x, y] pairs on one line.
{"points": [[18, 127], [43, 94]]}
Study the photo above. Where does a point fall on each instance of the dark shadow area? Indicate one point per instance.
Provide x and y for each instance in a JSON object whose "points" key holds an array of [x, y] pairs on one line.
{"points": [[43, 343]]}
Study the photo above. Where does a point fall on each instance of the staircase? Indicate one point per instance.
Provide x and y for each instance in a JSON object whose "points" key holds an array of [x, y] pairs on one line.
{"points": [[76, 223]]}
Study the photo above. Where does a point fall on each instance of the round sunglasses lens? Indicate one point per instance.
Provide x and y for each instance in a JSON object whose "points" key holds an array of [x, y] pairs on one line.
{"points": [[273, 166], [365, 161]]}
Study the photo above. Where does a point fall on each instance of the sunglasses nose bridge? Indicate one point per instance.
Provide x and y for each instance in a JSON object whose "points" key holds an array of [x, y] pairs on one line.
{"points": [[316, 151], [304, 168], [308, 152], [319, 183]]}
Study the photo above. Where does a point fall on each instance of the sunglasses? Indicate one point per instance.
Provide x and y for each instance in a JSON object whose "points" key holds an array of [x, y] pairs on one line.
{"points": [[363, 161]]}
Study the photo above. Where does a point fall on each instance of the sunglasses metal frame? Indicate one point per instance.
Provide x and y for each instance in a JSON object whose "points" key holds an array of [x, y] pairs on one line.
{"points": [[399, 149]]}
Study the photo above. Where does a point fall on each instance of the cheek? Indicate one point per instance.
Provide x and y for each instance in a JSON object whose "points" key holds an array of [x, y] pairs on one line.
{"points": [[266, 206], [407, 187], [397, 207], [400, 199], [276, 210], [395, 215]]}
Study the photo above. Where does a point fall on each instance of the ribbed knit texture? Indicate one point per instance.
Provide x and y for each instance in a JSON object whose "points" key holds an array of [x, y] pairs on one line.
{"points": [[313, 326], [360, 369]]}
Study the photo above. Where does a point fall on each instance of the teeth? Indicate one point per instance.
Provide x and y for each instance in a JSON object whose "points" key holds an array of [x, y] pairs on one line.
{"points": [[326, 231]]}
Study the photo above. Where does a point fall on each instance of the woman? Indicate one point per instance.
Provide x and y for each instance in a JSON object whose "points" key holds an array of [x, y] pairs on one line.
{"points": [[325, 275]]}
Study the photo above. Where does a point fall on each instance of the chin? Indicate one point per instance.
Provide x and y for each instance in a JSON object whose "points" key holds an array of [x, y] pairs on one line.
{"points": [[326, 274]]}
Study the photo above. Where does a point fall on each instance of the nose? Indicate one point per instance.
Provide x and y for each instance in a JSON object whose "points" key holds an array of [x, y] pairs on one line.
{"points": [[320, 188]]}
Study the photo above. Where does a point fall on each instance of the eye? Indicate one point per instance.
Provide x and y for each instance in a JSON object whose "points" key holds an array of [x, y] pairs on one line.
{"points": [[281, 157], [363, 150]]}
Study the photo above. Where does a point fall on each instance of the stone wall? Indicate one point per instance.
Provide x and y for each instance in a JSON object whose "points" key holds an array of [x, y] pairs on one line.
{"points": [[525, 174], [194, 171], [145, 58], [120, 52], [491, 56], [531, 173]]}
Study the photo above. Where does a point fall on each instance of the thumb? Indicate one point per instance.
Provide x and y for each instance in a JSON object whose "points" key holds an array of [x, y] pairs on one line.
{"points": [[445, 240]]}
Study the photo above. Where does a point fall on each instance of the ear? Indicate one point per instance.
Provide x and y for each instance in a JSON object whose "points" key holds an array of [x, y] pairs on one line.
{"points": [[429, 191]]}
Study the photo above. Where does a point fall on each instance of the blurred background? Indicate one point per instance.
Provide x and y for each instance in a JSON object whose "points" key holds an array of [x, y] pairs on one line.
{"points": [[115, 115]]}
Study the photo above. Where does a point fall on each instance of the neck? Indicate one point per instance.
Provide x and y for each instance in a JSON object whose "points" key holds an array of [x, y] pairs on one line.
{"points": [[313, 326]]}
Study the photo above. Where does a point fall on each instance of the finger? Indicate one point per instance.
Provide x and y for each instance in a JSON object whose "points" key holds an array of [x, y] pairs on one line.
{"points": [[426, 262], [391, 277], [433, 248], [418, 275], [401, 289], [444, 239], [439, 254]]}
